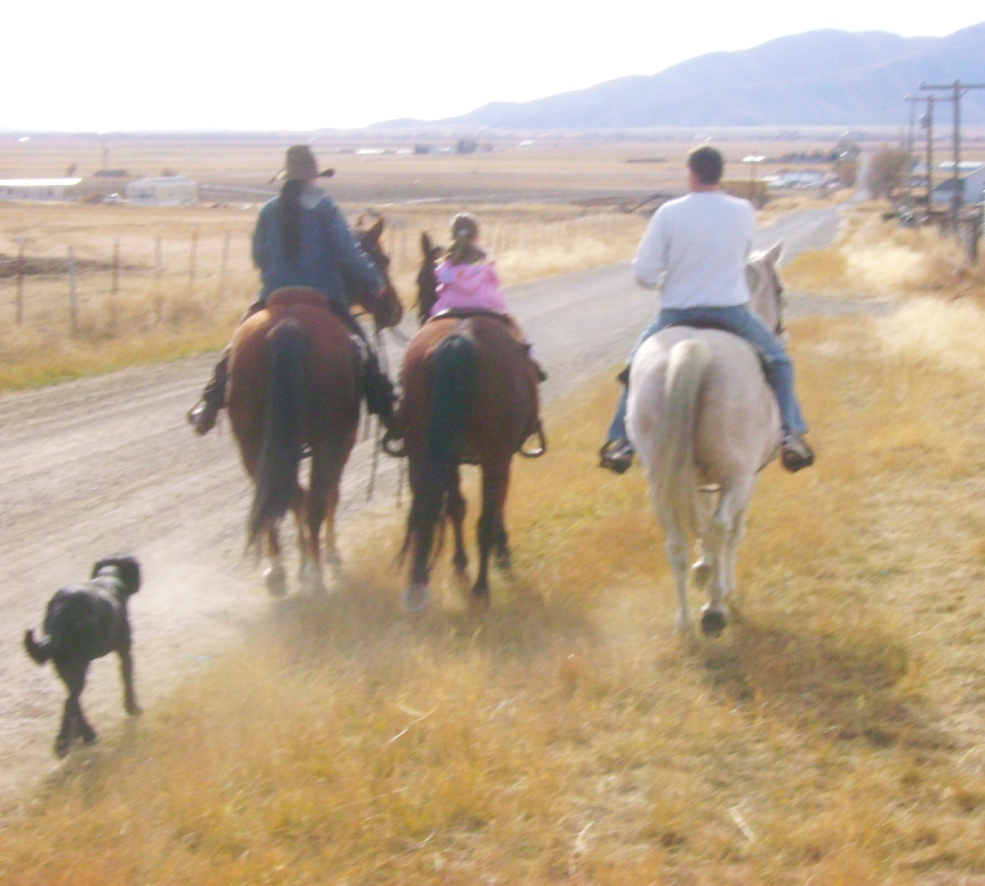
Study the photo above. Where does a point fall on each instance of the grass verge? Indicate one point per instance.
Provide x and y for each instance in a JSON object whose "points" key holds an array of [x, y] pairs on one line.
{"points": [[832, 736]]}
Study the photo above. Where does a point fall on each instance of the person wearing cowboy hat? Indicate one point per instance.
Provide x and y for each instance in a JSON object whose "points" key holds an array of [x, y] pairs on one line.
{"points": [[301, 239]]}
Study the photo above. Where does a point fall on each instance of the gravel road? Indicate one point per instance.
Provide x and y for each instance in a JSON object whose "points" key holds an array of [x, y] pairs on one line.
{"points": [[108, 464]]}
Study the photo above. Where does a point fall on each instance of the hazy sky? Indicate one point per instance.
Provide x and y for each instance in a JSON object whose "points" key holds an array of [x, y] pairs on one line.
{"points": [[198, 64]]}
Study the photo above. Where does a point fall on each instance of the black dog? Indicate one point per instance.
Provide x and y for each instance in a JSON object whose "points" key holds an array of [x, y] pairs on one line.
{"points": [[84, 622]]}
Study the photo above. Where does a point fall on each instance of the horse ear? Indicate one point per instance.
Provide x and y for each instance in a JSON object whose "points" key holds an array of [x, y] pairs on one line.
{"points": [[425, 244], [774, 252], [376, 228]]}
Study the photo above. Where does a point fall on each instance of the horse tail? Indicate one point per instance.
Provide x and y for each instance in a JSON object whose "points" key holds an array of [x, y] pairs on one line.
{"points": [[39, 651], [675, 482], [454, 378], [282, 435]]}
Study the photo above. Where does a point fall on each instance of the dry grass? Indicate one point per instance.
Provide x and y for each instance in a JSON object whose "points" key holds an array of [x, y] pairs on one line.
{"points": [[833, 735], [176, 306], [875, 257]]}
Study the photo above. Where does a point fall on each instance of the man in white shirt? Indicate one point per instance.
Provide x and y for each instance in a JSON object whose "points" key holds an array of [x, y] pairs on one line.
{"points": [[696, 249]]}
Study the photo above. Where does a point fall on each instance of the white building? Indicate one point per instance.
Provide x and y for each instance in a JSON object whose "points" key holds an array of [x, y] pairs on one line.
{"points": [[168, 190], [971, 180], [39, 188]]}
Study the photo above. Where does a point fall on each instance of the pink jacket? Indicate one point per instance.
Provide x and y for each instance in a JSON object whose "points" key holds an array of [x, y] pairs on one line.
{"points": [[469, 286]]}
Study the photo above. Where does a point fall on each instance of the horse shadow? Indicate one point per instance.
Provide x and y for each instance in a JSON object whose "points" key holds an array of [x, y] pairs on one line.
{"points": [[848, 685]]}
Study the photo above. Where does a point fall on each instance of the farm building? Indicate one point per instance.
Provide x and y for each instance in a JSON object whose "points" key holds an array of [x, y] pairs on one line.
{"points": [[39, 188], [972, 182], [168, 190]]}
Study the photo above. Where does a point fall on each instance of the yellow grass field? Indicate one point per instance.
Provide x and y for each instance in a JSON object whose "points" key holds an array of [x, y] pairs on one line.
{"points": [[875, 257], [832, 736]]}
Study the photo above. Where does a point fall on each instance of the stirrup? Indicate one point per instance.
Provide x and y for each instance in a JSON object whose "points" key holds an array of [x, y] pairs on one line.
{"points": [[541, 443], [393, 443], [617, 455]]}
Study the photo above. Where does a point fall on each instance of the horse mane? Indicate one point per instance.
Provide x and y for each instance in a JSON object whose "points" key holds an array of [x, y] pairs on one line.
{"points": [[427, 280]]}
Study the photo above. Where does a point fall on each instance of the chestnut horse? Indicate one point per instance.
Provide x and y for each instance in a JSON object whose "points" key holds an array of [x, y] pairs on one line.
{"points": [[294, 384], [469, 394]]}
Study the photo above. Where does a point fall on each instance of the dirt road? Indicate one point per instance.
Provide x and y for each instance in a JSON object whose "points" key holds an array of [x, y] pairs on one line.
{"points": [[108, 464]]}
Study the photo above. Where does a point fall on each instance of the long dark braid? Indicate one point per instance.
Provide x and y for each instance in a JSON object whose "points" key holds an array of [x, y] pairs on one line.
{"points": [[464, 232], [290, 216]]}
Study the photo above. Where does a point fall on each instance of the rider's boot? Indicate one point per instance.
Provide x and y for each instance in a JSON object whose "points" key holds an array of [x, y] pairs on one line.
{"points": [[796, 453], [617, 455], [202, 416]]}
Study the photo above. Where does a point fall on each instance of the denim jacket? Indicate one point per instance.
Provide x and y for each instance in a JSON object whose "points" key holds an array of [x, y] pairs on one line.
{"points": [[330, 260]]}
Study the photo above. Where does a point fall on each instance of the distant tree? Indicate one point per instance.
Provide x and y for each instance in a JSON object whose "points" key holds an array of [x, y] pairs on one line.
{"points": [[466, 146], [846, 168], [887, 171]]}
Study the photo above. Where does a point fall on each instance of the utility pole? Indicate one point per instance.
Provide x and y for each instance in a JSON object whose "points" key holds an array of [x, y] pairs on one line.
{"points": [[957, 89], [927, 121], [911, 100]]}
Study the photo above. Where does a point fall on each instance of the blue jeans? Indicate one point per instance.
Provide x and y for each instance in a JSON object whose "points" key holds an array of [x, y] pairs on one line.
{"points": [[744, 323]]}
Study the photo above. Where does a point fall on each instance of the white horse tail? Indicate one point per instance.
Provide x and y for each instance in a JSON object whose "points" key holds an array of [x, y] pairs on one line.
{"points": [[674, 479]]}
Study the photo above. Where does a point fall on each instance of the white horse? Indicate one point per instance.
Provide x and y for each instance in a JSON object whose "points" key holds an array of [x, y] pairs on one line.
{"points": [[705, 421]]}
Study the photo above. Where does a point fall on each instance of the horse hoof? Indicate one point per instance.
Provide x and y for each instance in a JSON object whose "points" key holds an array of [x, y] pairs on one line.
{"points": [[275, 579], [479, 598], [701, 572], [504, 560], [312, 582], [416, 597], [713, 622]]}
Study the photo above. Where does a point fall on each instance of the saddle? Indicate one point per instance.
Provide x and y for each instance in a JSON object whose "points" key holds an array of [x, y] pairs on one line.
{"points": [[297, 295], [468, 313], [764, 359], [712, 324]]}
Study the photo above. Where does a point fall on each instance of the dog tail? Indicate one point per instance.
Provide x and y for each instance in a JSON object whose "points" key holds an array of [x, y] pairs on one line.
{"points": [[39, 651]]}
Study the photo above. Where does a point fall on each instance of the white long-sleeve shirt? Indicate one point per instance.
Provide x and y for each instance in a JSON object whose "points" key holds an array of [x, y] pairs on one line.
{"points": [[696, 250]]}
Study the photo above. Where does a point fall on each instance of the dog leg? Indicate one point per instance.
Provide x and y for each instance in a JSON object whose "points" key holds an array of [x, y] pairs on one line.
{"points": [[73, 674], [129, 697]]}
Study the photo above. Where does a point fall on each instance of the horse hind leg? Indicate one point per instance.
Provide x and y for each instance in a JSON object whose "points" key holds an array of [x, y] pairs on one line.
{"points": [[720, 540], [456, 515], [492, 527], [320, 505], [677, 553], [701, 571], [275, 576]]}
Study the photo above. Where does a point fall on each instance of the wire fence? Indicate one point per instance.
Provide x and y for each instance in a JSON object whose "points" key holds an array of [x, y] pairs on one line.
{"points": [[89, 287]]}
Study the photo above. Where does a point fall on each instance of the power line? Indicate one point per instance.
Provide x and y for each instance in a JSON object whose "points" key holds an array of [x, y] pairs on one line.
{"points": [[957, 89]]}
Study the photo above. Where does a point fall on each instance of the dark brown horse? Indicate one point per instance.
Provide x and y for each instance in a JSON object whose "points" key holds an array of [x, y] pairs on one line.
{"points": [[427, 280], [469, 394], [294, 385]]}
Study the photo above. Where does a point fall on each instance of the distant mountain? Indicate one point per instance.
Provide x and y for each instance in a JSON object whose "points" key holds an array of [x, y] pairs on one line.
{"points": [[819, 78]]}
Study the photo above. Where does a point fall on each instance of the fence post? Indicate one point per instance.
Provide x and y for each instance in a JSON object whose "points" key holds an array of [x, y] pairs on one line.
{"points": [[20, 281], [115, 286], [193, 259], [158, 298], [222, 267], [73, 308]]}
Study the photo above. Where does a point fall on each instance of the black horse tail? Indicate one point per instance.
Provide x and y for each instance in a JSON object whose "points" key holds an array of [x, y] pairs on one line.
{"points": [[282, 436], [39, 651], [454, 378]]}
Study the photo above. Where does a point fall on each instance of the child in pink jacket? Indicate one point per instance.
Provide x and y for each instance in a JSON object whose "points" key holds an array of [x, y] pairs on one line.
{"points": [[467, 278]]}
